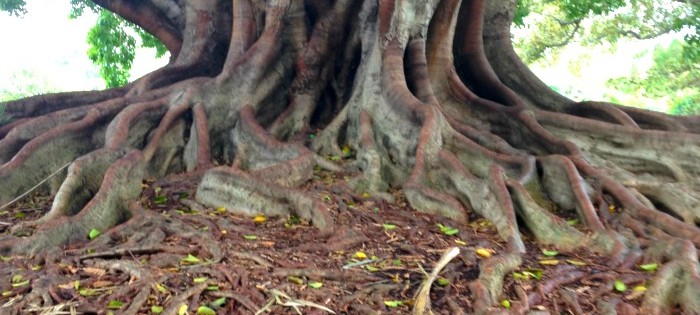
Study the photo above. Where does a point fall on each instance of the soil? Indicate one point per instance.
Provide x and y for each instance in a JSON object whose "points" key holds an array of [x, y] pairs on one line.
{"points": [[373, 262]]}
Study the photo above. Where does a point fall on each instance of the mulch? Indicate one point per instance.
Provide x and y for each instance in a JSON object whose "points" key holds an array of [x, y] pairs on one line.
{"points": [[373, 262]]}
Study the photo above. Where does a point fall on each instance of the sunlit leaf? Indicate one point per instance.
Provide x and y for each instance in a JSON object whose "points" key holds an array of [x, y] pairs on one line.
{"points": [[296, 280], [155, 309], [87, 292], [20, 284], [259, 219], [346, 150], [115, 304], [359, 255], [447, 230], [389, 226], [505, 304], [649, 267], [6, 293], [534, 273], [639, 288], [442, 281], [520, 276], [190, 260], [250, 237], [461, 242], [483, 252], [315, 285], [620, 286], [16, 278], [549, 262], [393, 303], [213, 288], [371, 268], [182, 310], [161, 288], [576, 262], [200, 280], [549, 253], [572, 222]]}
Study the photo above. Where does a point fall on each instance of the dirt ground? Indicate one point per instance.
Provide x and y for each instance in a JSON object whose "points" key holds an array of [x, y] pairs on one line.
{"points": [[373, 263]]}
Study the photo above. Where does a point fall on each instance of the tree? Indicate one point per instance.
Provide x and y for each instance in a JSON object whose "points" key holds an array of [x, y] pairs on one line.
{"points": [[428, 97]]}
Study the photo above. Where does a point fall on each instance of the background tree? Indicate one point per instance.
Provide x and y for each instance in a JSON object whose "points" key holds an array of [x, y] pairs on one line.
{"points": [[557, 24], [425, 97]]}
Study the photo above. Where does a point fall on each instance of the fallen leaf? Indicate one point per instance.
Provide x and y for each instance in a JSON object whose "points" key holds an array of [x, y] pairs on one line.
{"points": [[442, 282], [156, 309], [182, 310], [649, 267], [549, 253], [315, 285], [200, 280], [461, 242], [483, 252], [296, 280], [218, 302], [250, 237], [388, 226], [190, 260], [393, 303], [549, 262], [115, 304], [93, 233], [359, 255], [505, 304], [620, 286], [259, 219], [576, 262]]}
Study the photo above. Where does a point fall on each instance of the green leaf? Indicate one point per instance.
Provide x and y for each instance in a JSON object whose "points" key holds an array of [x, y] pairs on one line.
{"points": [[447, 230], [20, 284], [203, 310], [371, 268], [572, 222], [250, 237], [94, 233], [161, 288], [393, 303], [155, 309], [115, 304], [315, 285], [190, 260], [388, 226], [649, 267], [218, 302], [200, 280], [505, 304], [442, 282], [549, 253], [296, 280], [534, 273], [16, 278], [213, 288], [620, 286], [87, 292], [159, 200]]}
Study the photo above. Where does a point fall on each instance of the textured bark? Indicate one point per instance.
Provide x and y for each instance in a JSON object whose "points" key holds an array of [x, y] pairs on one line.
{"points": [[428, 96]]}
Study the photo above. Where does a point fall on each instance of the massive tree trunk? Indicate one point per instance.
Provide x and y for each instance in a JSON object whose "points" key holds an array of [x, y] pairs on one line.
{"points": [[429, 97]]}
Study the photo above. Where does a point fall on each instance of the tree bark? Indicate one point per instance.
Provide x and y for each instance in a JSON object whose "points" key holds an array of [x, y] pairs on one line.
{"points": [[428, 96]]}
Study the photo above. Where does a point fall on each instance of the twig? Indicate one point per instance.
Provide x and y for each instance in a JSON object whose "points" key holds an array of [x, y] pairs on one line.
{"points": [[36, 186], [422, 301]]}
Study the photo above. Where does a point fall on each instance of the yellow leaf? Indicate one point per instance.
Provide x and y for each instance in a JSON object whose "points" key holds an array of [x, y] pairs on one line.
{"points": [[576, 262], [182, 310], [483, 252], [550, 262], [259, 219], [461, 242], [366, 195], [346, 150], [639, 288], [221, 210], [359, 255]]}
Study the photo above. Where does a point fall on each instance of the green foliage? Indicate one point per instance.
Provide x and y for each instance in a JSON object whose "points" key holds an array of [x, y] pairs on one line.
{"points": [[554, 24], [113, 42], [673, 77], [14, 7], [111, 48]]}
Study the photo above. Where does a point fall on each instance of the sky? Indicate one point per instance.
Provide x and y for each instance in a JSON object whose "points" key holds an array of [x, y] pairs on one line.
{"points": [[52, 48]]}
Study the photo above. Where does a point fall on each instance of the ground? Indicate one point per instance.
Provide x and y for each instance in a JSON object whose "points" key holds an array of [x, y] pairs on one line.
{"points": [[374, 264]]}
